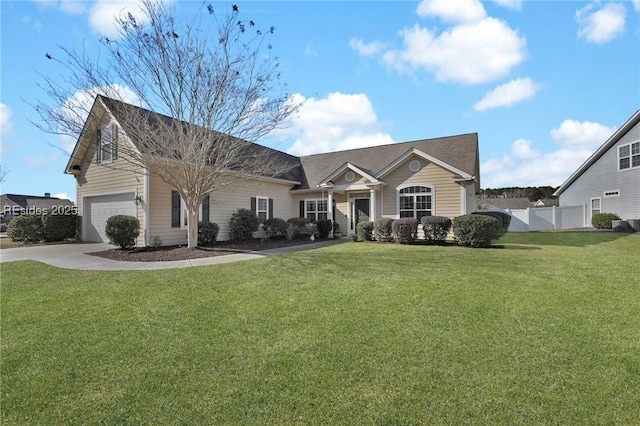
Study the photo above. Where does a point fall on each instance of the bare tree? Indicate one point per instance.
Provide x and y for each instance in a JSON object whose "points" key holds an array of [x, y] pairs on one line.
{"points": [[211, 91], [3, 172]]}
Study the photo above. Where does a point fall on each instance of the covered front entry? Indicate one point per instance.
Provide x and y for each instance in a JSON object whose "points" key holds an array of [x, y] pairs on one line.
{"points": [[98, 209], [359, 209]]}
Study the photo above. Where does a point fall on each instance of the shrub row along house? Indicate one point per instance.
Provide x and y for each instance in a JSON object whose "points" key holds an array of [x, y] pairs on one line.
{"points": [[412, 179]]}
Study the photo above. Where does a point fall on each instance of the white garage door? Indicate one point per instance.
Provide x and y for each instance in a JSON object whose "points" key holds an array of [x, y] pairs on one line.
{"points": [[101, 208]]}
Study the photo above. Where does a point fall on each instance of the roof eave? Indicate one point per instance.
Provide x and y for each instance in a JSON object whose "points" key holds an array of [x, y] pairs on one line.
{"points": [[613, 139]]}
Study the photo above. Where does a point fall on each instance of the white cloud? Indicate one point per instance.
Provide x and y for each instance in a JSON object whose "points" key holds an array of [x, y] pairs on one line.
{"points": [[77, 107], [452, 10], [636, 5], [103, 15], [510, 4], [581, 134], [513, 92], [601, 24], [6, 126], [73, 7], [522, 149], [37, 161], [525, 166], [337, 122], [473, 53], [367, 49], [62, 196]]}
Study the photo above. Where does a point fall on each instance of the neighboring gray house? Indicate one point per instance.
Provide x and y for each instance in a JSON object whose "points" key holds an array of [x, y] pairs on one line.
{"points": [[18, 204], [609, 181]]}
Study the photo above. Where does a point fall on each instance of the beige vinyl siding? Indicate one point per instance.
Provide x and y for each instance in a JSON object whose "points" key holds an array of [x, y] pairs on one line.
{"points": [[160, 214], [223, 203], [117, 177], [447, 192]]}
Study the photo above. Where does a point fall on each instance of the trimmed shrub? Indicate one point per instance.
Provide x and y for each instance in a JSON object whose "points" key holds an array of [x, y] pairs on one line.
{"points": [[476, 230], [58, 227], [504, 218], [276, 228], [293, 232], [405, 230], [364, 230], [207, 233], [603, 220], [26, 229], [300, 222], [156, 242], [382, 229], [324, 227], [436, 228], [242, 225], [122, 230]]}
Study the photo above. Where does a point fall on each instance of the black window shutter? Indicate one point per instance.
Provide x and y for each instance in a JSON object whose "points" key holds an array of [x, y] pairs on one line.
{"points": [[270, 208], [99, 146], [302, 208], [114, 142], [175, 209], [205, 209], [253, 205]]}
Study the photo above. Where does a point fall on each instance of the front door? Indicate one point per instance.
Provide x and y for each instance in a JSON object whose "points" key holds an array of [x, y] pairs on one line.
{"points": [[361, 211]]}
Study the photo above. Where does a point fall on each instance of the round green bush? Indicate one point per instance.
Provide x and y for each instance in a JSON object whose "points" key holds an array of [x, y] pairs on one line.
{"points": [[207, 233], [58, 227], [364, 230], [405, 230], [122, 230], [276, 227], [324, 227], [242, 225], [26, 229], [382, 229], [435, 228], [503, 217], [300, 222], [476, 230], [603, 220]]}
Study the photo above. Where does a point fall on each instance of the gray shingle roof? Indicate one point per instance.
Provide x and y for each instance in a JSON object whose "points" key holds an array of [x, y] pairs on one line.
{"points": [[459, 151]]}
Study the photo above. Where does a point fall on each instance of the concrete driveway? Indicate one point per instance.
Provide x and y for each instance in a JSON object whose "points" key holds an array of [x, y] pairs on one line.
{"points": [[73, 256]]}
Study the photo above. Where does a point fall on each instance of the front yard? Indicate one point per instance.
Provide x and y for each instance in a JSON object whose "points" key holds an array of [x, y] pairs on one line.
{"points": [[545, 330]]}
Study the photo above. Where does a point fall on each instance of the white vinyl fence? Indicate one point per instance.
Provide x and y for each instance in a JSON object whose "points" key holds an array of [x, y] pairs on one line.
{"points": [[547, 218]]}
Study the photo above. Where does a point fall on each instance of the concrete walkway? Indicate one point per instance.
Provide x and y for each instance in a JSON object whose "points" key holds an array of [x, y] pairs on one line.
{"points": [[74, 256]]}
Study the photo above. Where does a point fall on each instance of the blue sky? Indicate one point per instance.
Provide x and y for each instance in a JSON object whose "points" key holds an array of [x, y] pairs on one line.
{"points": [[543, 83]]}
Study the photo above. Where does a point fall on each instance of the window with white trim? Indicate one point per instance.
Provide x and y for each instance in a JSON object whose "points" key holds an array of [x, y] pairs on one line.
{"points": [[415, 201], [595, 206], [107, 143], [179, 215], [262, 208], [629, 156], [315, 209]]}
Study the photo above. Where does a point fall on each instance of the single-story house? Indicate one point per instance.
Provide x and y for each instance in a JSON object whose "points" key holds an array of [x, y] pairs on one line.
{"points": [[18, 204], [506, 203], [609, 181], [438, 176]]}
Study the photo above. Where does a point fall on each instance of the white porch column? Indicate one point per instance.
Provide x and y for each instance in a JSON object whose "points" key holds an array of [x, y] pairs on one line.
{"points": [[372, 205], [330, 210]]}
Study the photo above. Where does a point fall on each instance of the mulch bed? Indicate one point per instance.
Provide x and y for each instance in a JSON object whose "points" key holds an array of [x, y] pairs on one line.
{"points": [[169, 253]]}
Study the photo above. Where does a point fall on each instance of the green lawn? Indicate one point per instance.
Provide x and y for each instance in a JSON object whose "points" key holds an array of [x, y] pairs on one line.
{"points": [[545, 330]]}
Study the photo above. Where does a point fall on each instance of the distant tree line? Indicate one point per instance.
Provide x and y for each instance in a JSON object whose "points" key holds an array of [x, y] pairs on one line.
{"points": [[533, 193]]}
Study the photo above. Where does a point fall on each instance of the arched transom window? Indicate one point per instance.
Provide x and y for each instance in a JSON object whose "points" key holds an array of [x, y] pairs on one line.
{"points": [[415, 201]]}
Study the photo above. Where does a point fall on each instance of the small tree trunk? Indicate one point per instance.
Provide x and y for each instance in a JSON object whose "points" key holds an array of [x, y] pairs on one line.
{"points": [[192, 224]]}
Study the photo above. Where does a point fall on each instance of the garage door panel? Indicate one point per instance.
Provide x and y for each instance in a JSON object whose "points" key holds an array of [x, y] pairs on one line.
{"points": [[101, 208]]}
